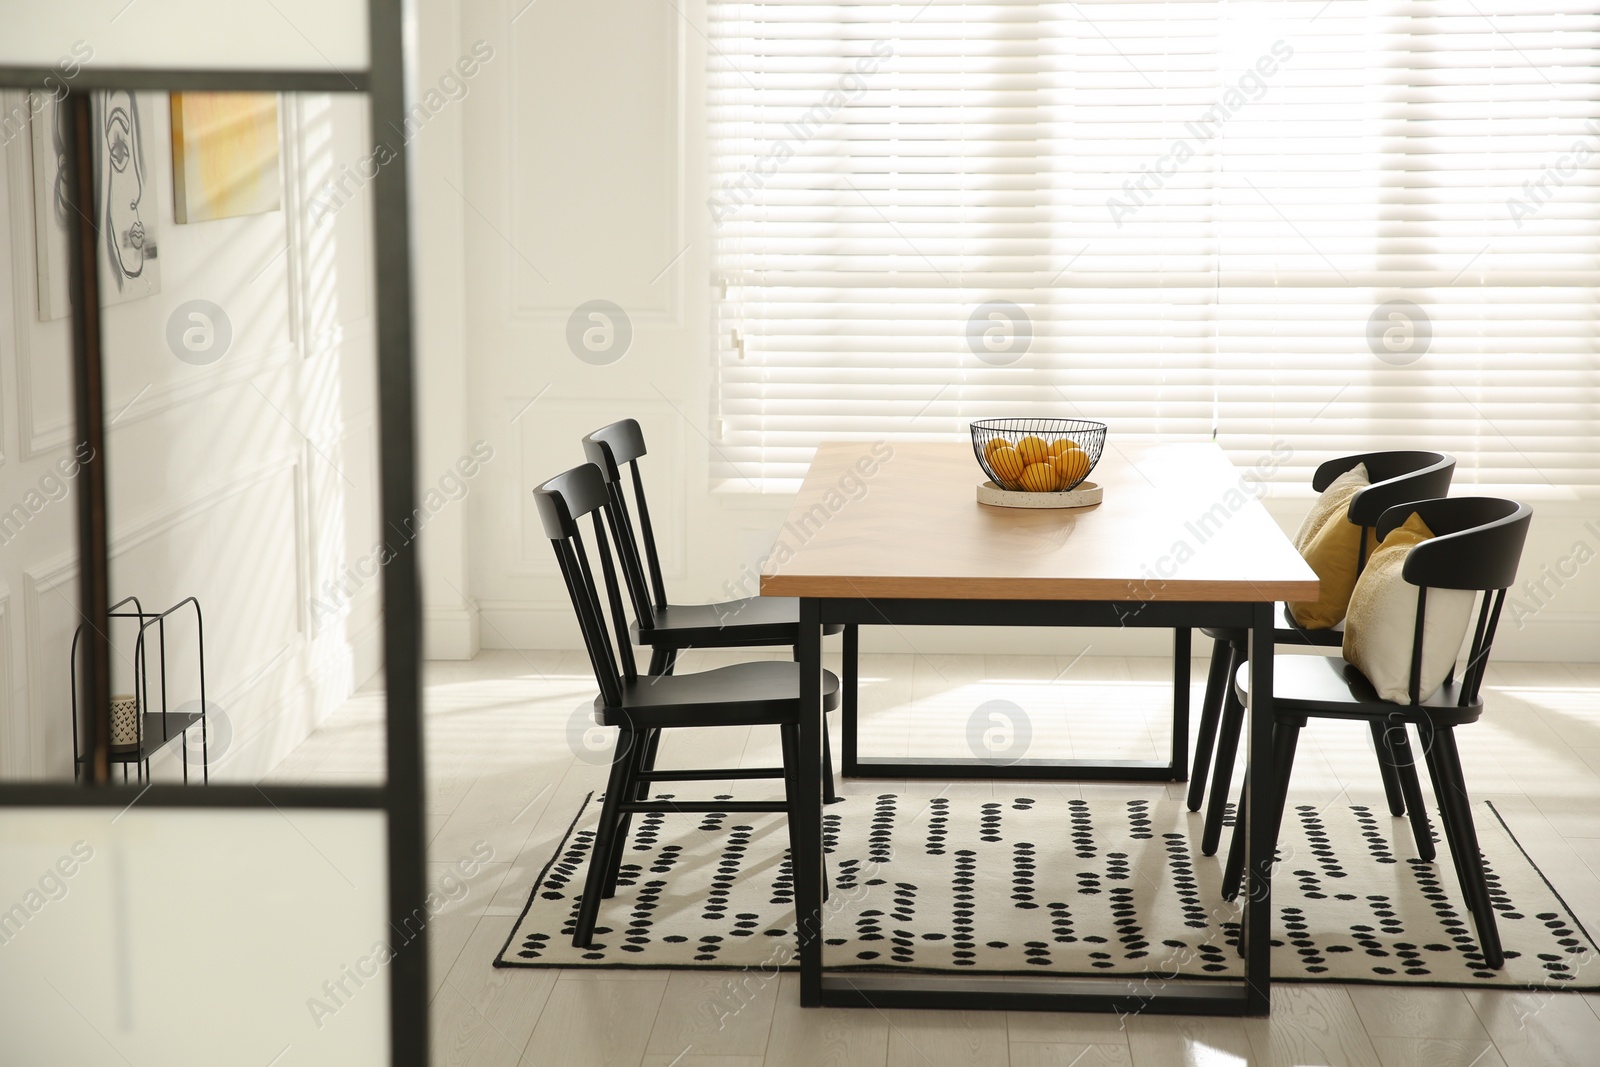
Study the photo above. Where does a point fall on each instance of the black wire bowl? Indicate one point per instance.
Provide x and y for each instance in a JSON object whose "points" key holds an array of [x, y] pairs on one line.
{"points": [[1089, 437]]}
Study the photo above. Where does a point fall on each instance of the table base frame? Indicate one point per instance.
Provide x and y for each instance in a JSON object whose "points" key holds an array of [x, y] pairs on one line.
{"points": [[974, 993], [1248, 996], [1174, 769]]}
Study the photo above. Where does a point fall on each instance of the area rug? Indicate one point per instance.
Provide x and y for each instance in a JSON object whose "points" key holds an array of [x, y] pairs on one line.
{"points": [[1052, 886]]}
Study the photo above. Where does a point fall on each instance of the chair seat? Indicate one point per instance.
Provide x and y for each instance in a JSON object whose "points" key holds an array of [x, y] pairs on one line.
{"points": [[745, 694], [754, 620], [1291, 633], [1328, 687]]}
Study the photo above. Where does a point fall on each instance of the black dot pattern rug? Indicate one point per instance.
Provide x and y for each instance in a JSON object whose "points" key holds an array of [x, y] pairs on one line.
{"points": [[1026, 885]]}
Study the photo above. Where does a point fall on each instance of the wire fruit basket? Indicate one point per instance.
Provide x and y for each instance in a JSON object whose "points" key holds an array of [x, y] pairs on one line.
{"points": [[1038, 455]]}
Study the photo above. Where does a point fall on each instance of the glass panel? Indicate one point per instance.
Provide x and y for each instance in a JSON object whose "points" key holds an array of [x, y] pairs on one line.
{"points": [[242, 438], [246, 555], [193, 937], [242, 464], [300, 35]]}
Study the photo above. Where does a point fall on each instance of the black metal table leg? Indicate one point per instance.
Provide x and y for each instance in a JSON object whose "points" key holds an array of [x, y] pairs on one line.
{"points": [[1261, 787], [850, 683], [1180, 703], [806, 830]]}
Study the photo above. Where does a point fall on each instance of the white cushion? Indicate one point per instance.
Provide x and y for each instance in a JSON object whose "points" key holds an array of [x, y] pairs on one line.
{"points": [[1382, 620]]}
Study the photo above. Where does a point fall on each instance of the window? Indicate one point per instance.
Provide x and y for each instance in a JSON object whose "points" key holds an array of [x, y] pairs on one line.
{"points": [[1345, 225]]}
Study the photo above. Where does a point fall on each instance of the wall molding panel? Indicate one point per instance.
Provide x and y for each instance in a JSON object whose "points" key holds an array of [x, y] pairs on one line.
{"points": [[34, 760], [64, 566], [23, 279], [13, 720], [327, 562], [155, 400], [302, 232], [526, 141], [15, 153]]}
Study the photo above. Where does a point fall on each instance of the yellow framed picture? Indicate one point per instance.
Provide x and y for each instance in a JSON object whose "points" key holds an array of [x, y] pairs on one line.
{"points": [[224, 155]]}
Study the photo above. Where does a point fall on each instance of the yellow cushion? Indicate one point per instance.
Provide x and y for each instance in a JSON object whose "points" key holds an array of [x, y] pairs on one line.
{"points": [[1328, 541], [1382, 624]]}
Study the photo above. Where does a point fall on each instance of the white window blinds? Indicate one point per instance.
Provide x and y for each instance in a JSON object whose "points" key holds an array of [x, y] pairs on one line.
{"points": [[1347, 225]]}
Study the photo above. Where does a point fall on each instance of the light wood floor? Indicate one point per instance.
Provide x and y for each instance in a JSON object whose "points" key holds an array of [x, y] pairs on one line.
{"points": [[507, 770]]}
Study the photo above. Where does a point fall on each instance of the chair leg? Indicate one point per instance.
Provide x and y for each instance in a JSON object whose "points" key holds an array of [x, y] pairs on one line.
{"points": [[1455, 812], [1217, 681], [658, 660], [1285, 738], [1222, 766], [643, 757], [1397, 753], [1429, 739], [790, 737], [594, 883], [1386, 769], [830, 795], [792, 792], [1233, 866]]}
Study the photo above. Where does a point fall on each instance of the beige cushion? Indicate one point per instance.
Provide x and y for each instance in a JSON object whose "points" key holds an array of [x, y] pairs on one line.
{"points": [[1328, 541], [1382, 622]]}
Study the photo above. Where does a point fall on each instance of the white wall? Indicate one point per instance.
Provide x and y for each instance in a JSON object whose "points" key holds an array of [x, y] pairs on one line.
{"points": [[250, 483], [584, 145]]}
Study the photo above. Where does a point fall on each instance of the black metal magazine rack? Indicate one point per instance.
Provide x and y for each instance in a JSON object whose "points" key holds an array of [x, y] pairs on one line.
{"points": [[157, 729]]}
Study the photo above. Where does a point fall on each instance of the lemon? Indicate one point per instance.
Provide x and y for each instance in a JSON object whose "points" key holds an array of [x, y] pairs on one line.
{"points": [[1041, 478], [1062, 445], [994, 445], [1006, 464], [1033, 449], [1072, 465]]}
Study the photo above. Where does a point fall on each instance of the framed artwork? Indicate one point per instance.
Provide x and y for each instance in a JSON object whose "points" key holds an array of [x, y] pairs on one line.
{"points": [[224, 155], [126, 206]]}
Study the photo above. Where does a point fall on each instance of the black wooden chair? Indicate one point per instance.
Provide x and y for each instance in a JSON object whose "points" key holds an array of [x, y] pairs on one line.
{"points": [[745, 694], [1395, 478], [667, 628], [1477, 544]]}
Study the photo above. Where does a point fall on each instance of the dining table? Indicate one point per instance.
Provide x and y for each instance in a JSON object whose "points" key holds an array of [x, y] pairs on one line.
{"points": [[891, 533]]}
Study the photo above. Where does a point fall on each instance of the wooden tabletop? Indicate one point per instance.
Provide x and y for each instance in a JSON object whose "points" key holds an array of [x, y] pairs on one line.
{"points": [[1177, 523]]}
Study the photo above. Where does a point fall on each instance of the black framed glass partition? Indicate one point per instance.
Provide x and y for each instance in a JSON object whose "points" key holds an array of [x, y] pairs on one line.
{"points": [[211, 303]]}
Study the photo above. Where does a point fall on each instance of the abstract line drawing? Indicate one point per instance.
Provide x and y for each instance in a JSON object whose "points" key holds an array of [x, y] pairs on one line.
{"points": [[126, 206]]}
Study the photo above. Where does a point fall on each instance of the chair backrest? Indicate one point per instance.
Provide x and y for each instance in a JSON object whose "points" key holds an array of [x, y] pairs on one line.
{"points": [[611, 448], [563, 501], [1394, 478], [1477, 543]]}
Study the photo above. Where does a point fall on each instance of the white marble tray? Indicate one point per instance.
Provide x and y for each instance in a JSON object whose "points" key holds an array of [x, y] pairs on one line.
{"points": [[1083, 496]]}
